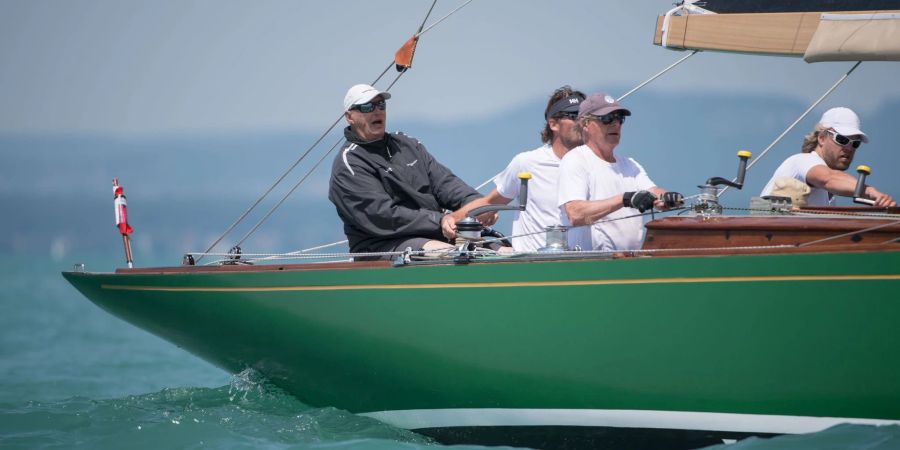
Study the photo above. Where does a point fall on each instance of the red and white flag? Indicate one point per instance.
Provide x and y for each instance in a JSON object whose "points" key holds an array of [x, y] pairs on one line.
{"points": [[121, 208]]}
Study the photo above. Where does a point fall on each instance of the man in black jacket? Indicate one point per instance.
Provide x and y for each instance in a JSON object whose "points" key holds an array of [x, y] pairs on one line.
{"points": [[388, 190]]}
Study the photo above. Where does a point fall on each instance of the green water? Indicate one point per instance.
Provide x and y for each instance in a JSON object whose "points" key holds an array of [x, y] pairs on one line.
{"points": [[74, 377]]}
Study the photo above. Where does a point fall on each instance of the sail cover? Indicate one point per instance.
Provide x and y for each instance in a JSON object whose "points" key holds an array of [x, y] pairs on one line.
{"points": [[784, 29], [855, 37]]}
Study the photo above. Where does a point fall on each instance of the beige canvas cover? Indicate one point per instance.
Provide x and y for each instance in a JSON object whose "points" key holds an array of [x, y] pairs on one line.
{"points": [[856, 37]]}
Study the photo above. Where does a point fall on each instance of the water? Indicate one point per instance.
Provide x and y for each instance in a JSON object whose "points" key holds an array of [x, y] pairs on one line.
{"points": [[74, 377]]}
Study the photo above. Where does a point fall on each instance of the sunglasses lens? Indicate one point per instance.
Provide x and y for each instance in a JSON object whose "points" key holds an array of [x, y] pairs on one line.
{"points": [[366, 108], [611, 117], [842, 140]]}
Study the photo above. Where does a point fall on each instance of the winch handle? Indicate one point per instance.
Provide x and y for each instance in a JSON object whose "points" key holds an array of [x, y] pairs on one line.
{"points": [[523, 199], [859, 192], [738, 182]]}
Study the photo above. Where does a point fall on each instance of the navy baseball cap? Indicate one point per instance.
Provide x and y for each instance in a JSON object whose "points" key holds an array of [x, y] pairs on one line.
{"points": [[567, 104]]}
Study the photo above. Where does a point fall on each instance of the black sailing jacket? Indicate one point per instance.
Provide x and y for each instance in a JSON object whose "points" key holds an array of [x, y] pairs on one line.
{"points": [[390, 190]]}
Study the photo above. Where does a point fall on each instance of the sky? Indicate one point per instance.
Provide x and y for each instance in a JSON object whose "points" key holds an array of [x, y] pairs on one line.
{"points": [[125, 67]]}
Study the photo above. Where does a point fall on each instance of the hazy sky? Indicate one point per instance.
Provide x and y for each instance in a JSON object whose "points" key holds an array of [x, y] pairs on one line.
{"points": [[144, 67]]}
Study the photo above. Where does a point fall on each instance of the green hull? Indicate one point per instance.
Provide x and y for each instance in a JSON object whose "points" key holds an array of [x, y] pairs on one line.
{"points": [[805, 335]]}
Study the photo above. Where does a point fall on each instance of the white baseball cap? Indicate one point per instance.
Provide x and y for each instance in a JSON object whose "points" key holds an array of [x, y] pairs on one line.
{"points": [[362, 93], [844, 121]]}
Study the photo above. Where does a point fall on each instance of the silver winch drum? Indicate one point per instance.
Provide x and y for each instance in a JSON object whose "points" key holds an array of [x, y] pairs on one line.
{"points": [[557, 239]]}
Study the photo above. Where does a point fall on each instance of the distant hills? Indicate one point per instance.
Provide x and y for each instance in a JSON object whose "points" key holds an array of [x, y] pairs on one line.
{"points": [[184, 190]]}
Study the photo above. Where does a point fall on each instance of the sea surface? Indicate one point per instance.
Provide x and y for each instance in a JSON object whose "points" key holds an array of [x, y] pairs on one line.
{"points": [[74, 377]]}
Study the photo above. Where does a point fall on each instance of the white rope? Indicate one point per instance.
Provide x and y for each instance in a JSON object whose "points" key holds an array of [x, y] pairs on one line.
{"points": [[664, 40], [687, 6], [306, 250]]}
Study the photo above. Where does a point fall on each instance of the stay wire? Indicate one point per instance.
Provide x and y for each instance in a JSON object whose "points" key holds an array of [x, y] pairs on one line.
{"points": [[297, 185], [443, 18], [633, 90], [851, 233], [230, 228], [802, 116], [271, 188], [285, 174], [427, 15], [661, 73]]}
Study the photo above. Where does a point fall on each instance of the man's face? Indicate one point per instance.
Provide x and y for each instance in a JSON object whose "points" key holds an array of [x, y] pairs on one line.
{"points": [[604, 135], [566, 129], [368, 126], [837, 156]]}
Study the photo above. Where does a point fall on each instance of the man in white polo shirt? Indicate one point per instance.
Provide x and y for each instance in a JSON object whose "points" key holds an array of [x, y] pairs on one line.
{"points": [[815, 175], [602, 194], [560, 134]]}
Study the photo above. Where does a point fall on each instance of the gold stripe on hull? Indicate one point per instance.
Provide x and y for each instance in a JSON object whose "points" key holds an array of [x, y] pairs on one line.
{"points": [[354, 287]]}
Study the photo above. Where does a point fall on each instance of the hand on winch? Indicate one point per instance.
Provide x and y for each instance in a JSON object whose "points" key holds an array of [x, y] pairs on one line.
{"points": [[448, 222], [645, 200]]}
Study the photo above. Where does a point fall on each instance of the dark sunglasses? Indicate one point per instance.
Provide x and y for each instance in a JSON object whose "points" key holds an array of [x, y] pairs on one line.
{"points": [[567, 115], [607, 119], [366, 108], [842, 140]]}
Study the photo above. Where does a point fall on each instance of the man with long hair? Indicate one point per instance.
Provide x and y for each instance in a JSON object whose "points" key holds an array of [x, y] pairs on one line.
{"points": [[814, 176], [559, 135]]}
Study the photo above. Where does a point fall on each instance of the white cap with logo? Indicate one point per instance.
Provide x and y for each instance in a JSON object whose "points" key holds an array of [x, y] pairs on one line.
{"points": [[362, 93], [844, 121]]}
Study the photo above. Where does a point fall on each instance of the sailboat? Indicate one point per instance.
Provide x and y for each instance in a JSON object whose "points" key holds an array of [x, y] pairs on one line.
{"points": [[720, 327]]}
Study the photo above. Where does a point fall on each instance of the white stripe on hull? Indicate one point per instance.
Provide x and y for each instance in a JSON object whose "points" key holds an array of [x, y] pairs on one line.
{"points": [[619, 418]]}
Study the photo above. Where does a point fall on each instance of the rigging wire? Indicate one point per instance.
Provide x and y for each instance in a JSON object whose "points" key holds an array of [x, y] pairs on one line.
{"points": [[851, 233], [422, 30], [633, 90], [272, 187], [661, 73], [802, 116], [288, 194]]}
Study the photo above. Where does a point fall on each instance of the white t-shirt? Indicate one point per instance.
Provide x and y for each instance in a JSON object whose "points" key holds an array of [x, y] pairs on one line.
{"points": [[584, 176], [541, 210], [797, 166]]}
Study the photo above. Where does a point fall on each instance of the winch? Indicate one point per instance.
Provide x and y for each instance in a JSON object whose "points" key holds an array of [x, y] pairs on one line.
{"points": [[707, 203], [469, 230]]}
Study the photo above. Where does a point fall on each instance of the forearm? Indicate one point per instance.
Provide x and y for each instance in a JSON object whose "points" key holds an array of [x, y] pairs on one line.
{"points": [[586, 212], [834, 181], [840, 185], [492, 198]]}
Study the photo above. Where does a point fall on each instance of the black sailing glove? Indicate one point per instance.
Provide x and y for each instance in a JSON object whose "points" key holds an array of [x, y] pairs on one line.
{"points": [[673, 200], [641, 200]]}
